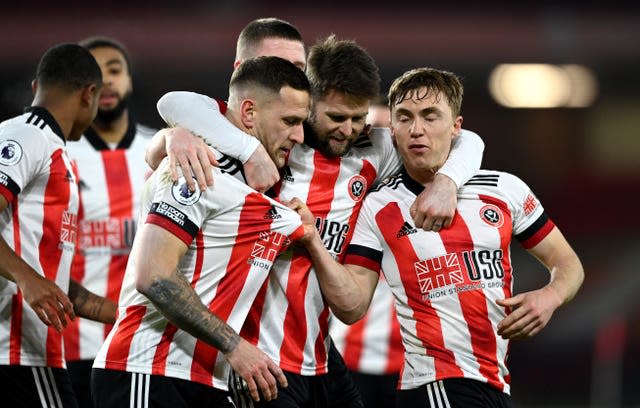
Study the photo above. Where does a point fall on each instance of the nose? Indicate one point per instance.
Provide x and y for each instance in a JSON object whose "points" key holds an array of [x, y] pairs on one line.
{"points": [[106, 77], [346, 127], [416, 128], [297, 135]]}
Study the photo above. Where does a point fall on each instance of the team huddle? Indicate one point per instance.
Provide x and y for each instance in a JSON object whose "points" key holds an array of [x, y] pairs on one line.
{"points": [[215, 262]]}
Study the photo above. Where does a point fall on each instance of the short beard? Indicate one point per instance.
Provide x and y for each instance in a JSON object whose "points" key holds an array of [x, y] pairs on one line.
{"points": [[311, 139], [107, 117]]}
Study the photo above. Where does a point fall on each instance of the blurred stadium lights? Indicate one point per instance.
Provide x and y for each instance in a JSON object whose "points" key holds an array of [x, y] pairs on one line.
{"points": [[543, 86]]}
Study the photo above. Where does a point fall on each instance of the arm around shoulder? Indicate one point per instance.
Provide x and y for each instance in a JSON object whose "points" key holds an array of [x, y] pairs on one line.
{"points": [[465, 157]]}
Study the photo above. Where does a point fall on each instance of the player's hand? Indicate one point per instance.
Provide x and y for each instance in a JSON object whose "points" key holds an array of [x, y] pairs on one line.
{"points": [[190, 152], [531, 311], [435, 207], [260, 171], [260, 373], [308, 220], [49, 302]]}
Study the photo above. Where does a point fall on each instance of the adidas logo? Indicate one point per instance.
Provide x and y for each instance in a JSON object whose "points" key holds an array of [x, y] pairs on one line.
{"points": [[406, 229], [286, 174], [272, 214]]}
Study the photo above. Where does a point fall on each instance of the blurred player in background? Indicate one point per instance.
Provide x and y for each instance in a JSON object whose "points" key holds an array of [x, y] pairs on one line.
{"points": [[38, 222], [110, 162]]}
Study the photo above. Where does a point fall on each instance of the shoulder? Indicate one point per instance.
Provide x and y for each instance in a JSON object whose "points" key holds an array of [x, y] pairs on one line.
{"points": [[391, 189], [377, 137], [20, 127], [493, 179], [498, 184], [18, 137]]}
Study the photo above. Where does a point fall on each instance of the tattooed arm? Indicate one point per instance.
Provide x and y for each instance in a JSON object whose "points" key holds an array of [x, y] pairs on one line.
{"points": [[157, 253], [179, 303], [91, 306]]}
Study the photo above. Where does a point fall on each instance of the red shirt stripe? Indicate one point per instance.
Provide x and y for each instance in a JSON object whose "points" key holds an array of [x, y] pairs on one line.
{"points": [[389, 221]]}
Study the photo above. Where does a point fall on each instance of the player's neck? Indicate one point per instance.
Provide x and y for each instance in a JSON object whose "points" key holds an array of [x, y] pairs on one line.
{"points": [[422, 176], [114, 131]]}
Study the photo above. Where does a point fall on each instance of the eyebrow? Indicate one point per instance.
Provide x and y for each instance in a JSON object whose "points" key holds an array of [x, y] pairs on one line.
{"points": [[424, 112], [115, 61]]}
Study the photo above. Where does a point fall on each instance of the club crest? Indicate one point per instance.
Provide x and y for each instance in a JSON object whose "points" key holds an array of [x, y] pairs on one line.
{"points": [[492, 215], [357, 187]]}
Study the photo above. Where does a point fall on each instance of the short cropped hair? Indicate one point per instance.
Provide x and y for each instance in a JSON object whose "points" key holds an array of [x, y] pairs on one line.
{"points": [[271, 73], [257, 30], [68, 66], [344, 66], [98, 42], [420, 83]]}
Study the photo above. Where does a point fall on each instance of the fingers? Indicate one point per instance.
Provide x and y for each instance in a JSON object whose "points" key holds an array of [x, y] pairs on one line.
{"points": [[42, 315], [278, 374], [53, 307], [67, 305], [436, 225], [252, 388], [173, 166], [54, 316], [267, 385], [527, 326], [294, 204], [205, 164]]}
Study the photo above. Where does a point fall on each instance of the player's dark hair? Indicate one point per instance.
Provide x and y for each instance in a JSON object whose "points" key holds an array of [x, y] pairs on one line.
{"points": [[420, 83], [98, 41], [343, 66], [270, 27], [68, 66], [272, 73]]}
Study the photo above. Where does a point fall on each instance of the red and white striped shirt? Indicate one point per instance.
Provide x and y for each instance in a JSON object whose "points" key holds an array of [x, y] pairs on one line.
{"points": [[445, 284], [372, 345], [289, 320], [40, 225], [110, 183], [234, 235]]}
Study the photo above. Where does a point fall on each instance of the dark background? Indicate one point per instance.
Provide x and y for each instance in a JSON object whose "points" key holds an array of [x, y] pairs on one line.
{"points": [[584, 164]]}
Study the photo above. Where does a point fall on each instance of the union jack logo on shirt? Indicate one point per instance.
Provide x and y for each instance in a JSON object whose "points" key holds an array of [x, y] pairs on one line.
{"points": [[268, 246], [69, 227], [530, 204], [438, 272]]}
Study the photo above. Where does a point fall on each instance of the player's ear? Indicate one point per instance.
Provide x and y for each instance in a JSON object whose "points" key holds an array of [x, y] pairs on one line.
{"points": [[88, 94], [34, 86], [457, 127], [247, 112]]}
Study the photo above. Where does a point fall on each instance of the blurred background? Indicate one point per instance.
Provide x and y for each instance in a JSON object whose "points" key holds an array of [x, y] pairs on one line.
{"points": [[580, 153]]}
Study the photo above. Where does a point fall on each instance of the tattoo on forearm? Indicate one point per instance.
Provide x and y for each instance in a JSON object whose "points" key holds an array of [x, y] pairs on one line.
{"points": [[180, 304], [89, 305]]}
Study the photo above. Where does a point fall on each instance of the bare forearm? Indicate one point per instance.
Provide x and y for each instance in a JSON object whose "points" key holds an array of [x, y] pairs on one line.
{"points": [[176, 300], [344, 294], [12, 266], [91, 306], [566, 279]]}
